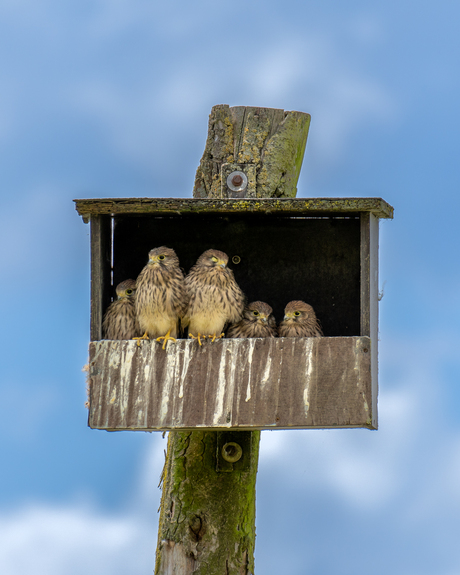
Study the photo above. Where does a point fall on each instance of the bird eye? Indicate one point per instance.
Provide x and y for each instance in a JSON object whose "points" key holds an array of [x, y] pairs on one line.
{"points": [[129, 291], [255, 312], [162, 257], [214, 259], [297, 313]]}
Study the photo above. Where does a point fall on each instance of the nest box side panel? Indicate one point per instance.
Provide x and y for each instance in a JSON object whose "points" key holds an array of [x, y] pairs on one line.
{"points": [[370, 295], [101, 269]]}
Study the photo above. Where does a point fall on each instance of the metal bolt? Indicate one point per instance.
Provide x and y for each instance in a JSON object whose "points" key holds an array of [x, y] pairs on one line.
{"points": [[232, 452], [365, 350], [237, 180]]}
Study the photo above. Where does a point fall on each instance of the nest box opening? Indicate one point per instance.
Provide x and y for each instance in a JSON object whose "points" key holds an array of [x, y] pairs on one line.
{"points": [[279, 259]]}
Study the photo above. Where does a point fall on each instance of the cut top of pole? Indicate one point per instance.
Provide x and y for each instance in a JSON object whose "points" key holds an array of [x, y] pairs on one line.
{"points": [[252, 153]]}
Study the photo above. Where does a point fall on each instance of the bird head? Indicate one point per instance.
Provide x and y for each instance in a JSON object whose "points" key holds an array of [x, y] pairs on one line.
{"points": [[258, 311], [213, 258], [126, 289], [162, 256], [298, 311]]}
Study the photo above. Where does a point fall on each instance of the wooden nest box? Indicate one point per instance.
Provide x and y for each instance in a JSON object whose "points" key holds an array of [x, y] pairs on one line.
{"points": [[321, 251]]}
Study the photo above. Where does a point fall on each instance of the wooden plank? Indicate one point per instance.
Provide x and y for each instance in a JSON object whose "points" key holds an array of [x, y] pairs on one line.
{"points": [[369, 296], [281, 383], [374, 311], [275, 206], [365, 275], [100, 272]]}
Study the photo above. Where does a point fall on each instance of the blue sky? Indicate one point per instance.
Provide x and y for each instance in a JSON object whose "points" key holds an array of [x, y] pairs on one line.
{"points": [[110, 98]]}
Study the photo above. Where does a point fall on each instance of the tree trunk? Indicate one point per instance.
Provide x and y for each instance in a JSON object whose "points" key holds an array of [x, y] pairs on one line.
{"points": [[207, 514]]}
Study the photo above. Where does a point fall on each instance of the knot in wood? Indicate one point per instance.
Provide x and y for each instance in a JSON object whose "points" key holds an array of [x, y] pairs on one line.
{"points": [[196, 525]]}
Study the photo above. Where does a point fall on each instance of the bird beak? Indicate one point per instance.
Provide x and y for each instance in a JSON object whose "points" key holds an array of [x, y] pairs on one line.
{"points": [[264, 318], [288, 316], [222, 264]]}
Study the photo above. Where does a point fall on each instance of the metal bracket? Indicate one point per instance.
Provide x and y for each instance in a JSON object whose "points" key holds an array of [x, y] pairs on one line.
{"points": [[238, 180], [233, 451]]}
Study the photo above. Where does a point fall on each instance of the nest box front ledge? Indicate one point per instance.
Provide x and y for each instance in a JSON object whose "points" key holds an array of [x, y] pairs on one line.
{"points": [[273, 383]]}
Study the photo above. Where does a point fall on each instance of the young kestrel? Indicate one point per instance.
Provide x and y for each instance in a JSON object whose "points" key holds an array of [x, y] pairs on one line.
{"points": [[120, 318], [215, 297], [258, 321], [161, 297], [299, 321]]}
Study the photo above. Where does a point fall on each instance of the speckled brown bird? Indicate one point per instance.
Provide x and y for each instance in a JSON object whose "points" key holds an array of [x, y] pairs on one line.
{"points": [[215, 297], [299, 321], [161, 297], [120, 320], [258, 321]]}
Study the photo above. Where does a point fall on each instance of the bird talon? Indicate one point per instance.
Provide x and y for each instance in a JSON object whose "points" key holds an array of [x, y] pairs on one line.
{"points": [[198, 337], [145, 336], [166, 338], [214, 337]]}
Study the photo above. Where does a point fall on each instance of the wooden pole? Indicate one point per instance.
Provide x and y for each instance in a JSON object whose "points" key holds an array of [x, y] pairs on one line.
{"points": [[266, 144], [207, 513]]}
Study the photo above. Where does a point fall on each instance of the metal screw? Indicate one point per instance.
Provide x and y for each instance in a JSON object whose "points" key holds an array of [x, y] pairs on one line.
{"points": [[365, 350], [237, 180], [232, 452]]}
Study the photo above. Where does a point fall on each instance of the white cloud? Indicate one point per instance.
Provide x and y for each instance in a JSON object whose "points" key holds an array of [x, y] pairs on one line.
{"points": [[79, 538], [406, 456], [309, 75], [72, 540]]}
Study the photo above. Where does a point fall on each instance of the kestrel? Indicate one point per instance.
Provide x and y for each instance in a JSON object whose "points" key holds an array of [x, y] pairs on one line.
{"points": [[161, 297], [120, 318], [299, 321], [258, 321], [215, 297]]}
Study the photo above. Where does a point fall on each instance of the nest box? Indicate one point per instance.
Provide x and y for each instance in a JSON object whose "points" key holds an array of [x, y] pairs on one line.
{"points": [[322, 251]]}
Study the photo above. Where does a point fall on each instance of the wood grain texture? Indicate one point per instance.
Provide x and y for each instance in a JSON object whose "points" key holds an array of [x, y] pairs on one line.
{"points": [[274, 206], [269, 383], [270, 139], [100, 272]]}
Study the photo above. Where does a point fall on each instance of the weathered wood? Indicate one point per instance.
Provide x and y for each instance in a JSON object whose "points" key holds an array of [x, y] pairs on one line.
{"points": [[266, 144], [268, 383], [207, 518], [100, 271], [369, 296], [279, 206]]}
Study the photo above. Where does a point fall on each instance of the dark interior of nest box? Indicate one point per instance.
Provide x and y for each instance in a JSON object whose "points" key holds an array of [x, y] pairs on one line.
{"points": [[314, 259]]}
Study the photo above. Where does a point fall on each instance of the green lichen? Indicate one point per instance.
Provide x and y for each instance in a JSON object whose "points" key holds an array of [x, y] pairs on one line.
{"points": [[211, 514]]}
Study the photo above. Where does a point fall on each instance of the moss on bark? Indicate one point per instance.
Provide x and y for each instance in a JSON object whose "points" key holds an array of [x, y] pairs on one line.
{"points": [[207, 518]]}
